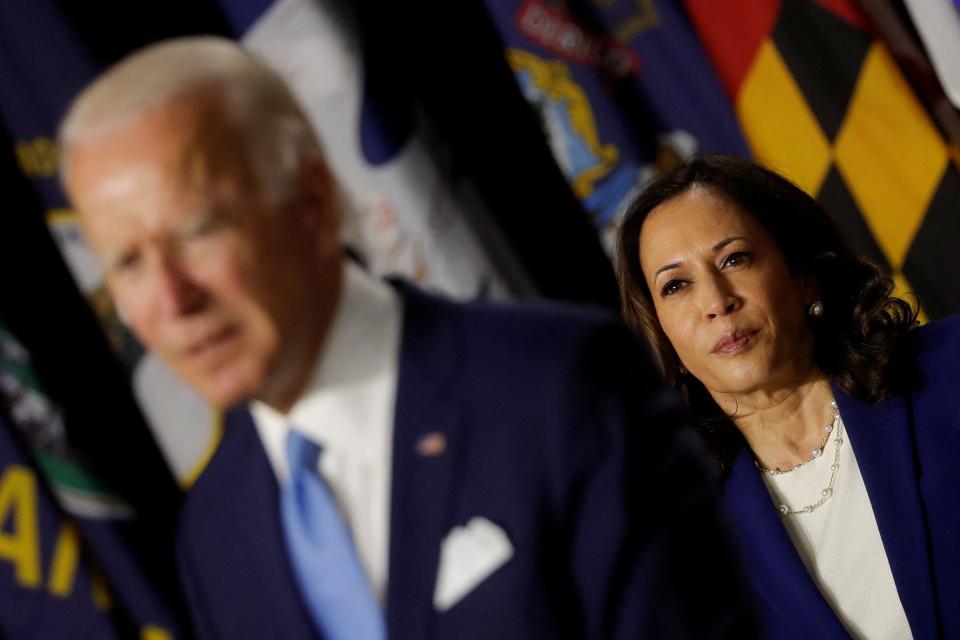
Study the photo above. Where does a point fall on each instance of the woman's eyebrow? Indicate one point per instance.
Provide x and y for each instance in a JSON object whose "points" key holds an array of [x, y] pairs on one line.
{"points": [[720, 245], [717, 247], [666, 267]]}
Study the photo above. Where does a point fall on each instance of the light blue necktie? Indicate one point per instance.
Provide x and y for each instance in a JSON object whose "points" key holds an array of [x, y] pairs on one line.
{"points": [[325, 563]]}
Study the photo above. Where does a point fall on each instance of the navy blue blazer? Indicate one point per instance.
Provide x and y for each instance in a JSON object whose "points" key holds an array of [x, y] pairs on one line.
{"points": [[560, 432], [908, 449]]}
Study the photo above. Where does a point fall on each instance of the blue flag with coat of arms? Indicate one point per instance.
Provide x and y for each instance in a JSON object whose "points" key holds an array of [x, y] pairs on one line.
{"points": [[623, 90]]}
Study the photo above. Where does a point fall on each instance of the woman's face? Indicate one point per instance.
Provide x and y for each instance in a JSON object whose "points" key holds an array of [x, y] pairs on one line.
{"points": [[724, 296]]}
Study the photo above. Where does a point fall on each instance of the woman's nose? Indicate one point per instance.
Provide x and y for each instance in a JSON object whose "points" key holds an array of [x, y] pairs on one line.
{"points": [[720, 300]]}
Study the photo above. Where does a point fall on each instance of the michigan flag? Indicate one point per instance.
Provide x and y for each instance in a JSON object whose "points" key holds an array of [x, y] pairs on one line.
{"points": [[623, 90]]}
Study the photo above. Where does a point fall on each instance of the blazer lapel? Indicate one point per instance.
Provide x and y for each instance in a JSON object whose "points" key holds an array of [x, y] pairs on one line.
{"points": [[427, 445], [881, 438], [770, 559]]}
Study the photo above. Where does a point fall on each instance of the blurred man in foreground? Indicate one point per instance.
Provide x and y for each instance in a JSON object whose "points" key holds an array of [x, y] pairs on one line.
{"points": [[393, 463]]}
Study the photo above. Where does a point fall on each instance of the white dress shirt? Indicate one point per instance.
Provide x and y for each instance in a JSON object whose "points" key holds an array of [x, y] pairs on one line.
{"points": [[841, 545], [348, 409]]}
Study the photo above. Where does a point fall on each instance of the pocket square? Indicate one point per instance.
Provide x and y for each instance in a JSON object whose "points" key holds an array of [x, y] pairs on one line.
{"points": [[468, 556]]}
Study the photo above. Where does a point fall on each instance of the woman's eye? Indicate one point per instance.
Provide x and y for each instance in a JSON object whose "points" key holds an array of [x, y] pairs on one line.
{"points": [[736, 259], [672, 287]]}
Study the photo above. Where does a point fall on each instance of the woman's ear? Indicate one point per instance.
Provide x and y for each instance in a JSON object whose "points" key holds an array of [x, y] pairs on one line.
{"points": [[809, 289]]}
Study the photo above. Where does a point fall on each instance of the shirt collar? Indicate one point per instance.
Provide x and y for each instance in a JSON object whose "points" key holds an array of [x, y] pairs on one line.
{"points": [[352, 379]]}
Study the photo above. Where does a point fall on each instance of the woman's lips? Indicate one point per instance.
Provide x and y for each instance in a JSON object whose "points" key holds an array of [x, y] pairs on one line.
{"points": [[736, 342]]}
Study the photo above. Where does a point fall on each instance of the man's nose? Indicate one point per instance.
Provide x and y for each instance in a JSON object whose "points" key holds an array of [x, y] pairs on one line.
{"points": [[178, 293]]}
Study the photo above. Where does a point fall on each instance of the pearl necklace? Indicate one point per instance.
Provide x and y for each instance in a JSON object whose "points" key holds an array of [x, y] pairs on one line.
{"points": [[826, 493], [815, 453]]}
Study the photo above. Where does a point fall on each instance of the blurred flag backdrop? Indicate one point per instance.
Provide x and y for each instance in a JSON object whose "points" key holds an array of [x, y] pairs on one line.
{"points": [[487, 148]]}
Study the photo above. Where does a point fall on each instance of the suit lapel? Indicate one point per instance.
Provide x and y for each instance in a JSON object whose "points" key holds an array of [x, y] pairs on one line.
{"points": [[258, 486], [771, 560], [257, 589], [424, 479], [881, 438]]}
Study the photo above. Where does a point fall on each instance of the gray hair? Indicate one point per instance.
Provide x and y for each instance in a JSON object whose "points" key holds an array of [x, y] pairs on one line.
{"points": [[274, 128]]}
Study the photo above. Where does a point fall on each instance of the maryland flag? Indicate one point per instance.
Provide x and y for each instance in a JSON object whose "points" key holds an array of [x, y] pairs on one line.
{"points": [[820, 98]]}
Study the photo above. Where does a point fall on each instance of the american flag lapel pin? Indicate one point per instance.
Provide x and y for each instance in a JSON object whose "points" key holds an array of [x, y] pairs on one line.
{"points": [[432, 444]]}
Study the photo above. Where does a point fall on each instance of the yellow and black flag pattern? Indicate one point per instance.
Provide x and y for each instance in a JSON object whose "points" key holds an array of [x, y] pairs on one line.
{"points": [[820, 98]]}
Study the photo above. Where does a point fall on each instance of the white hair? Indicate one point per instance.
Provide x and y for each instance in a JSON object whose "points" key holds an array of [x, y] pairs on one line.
{"points": [[274, 129]]}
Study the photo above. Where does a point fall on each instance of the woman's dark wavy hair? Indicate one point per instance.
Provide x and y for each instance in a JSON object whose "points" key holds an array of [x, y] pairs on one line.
{"points": [[864, 339]]}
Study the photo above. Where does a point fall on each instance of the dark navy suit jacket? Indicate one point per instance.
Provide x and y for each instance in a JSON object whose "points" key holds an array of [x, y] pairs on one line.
{"points": [[908, 449], [558, 431]]}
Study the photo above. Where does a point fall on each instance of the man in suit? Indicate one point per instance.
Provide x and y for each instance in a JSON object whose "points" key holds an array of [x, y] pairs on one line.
{"points": [[394, 463]]}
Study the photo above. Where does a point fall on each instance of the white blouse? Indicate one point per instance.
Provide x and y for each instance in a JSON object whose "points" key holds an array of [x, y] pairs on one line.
{"points": [[840, 544]]}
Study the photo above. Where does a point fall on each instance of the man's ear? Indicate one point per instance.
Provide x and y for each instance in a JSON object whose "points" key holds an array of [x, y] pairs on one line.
{"points": [[318, 202], [316, 192]]}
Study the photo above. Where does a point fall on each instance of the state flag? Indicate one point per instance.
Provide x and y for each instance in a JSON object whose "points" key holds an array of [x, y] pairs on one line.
{"points": [[820, 98]]}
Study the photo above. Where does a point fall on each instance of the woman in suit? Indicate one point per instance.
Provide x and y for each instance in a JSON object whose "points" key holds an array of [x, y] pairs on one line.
{"points": [[833, 418]]}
